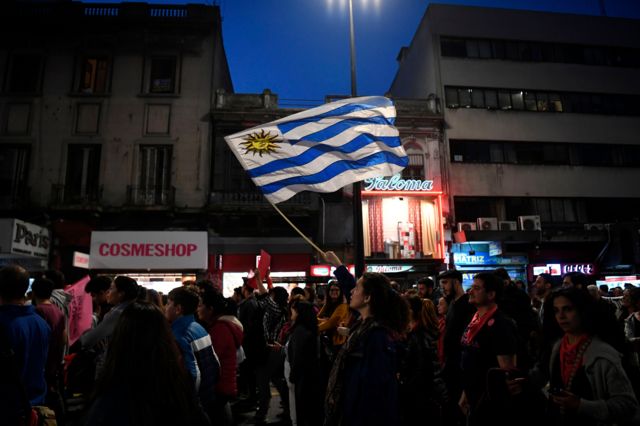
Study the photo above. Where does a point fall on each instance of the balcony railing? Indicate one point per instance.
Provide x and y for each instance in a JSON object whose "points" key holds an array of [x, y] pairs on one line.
{"points": [[255, 198], [151, 196], [68, 196]]}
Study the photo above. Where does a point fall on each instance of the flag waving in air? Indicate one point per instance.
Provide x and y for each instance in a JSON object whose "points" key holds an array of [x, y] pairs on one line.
{"points": [[322, 149]]}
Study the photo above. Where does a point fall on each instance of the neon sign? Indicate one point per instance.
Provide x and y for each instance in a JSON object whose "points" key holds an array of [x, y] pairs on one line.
{"points": [[396, 183]]}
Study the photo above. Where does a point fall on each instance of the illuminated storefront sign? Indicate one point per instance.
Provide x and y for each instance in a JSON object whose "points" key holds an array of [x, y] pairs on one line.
{"points": [[388, 269], [557, 269], [327, 270], [484, 258], [396, 183]]}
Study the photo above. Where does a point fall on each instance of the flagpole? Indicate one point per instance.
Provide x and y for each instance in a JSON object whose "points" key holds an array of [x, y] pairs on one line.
{"points": [[297, 230], [358, 234]]}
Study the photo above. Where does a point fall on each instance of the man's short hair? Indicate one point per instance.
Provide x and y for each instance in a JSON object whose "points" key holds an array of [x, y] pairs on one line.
{"points": [[128, 286], [428, 282], [14, 282], [451, 273], [577, 279], [491, 282], [42, 288], [56, 277], [502, 274], [98, 284], [186, 298]]}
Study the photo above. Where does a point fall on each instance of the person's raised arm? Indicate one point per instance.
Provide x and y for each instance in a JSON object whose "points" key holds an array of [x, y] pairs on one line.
{"points": [[345, 279], [261, 288]]}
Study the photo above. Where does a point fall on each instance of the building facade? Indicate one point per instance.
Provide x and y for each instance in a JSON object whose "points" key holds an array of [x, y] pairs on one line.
{"points": [[104, 116], [542, 116]]}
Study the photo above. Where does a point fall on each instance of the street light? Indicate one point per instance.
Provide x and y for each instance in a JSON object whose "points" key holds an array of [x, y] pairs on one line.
{"points": [[358, 234]]}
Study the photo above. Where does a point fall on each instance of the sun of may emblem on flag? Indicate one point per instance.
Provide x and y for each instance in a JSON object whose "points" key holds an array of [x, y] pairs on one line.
{"points": [[262, 142]]}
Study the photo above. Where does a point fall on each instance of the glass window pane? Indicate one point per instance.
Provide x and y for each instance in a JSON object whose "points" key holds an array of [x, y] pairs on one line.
{"points": [[451, 95], [163, 74], [509, 153], [542, 102], [498, 49], [557, 210], [477, 98], [25, 73], [491, 98], [504, 99], [530, 101], [472, 49], [496, 153], [512, 52], [453, 47], [543, 209], [536, 52], [465, 97], [484, 47], [555, 103], [525, 51], [517, 98]]}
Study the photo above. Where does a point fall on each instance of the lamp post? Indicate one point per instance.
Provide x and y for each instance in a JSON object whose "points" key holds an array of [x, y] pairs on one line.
{"points": [[358, 235]]}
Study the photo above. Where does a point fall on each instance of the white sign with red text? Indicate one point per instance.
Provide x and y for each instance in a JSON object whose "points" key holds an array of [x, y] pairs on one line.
{"points": [[148, 250]]}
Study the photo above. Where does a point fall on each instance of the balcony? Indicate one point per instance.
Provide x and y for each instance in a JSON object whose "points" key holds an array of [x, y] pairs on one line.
{"points": [[68, 196], [255, 199], [152, 196]]}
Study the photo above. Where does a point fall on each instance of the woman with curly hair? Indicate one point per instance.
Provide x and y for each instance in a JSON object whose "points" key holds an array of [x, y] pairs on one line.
{"points": [[144, 381], [363, 385]]}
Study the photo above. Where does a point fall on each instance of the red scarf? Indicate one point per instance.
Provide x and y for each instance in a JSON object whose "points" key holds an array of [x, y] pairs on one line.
{"points": [[476, 324], [571, 357]]}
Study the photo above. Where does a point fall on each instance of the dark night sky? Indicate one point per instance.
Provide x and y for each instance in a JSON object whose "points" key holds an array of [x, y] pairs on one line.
{"points": [[300, 48]]}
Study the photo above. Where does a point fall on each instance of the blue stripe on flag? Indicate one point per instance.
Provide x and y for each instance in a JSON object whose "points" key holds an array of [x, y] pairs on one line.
{"points": [[335, 169], [342, 110], [339, 127], [316, 151]]}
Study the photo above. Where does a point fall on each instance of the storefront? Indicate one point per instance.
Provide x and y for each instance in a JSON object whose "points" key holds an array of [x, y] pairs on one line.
{"points": [[158, 260], [287, 269], [24, 244], [475, 257], [557, 269], [402, 219]]}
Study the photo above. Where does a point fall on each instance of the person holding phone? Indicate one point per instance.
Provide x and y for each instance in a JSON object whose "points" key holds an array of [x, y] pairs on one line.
{"points": [[588, 385]]}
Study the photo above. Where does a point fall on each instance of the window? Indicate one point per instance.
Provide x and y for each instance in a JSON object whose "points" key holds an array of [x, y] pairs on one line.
{"points": [[24, 76], [465, 97], [415, 169], [162, 75], [517, 99], [498, 49], [468, 209], [94, 74], [530, 101], [472, 49], [542, 101], [504, 99], [83, 172], [453, 47], [491, 99], [470, 151], [555, 102], [451, 94], [14, 161], [155, 174], [477, 98]]}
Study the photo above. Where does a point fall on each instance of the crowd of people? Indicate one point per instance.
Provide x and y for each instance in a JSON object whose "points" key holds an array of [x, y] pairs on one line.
{"points": [[361, 352]]}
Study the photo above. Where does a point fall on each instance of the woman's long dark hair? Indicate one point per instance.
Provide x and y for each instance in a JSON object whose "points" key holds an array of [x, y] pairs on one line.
{"points": [[329, 304], [584, 305], [306, 316], [386, 306], [144, 361], [423, 312]]}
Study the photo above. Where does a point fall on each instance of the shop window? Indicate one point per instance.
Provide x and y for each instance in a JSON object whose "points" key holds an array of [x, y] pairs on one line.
{"points": [[25, 73], [162, 74], [94, 75], [14, 163], [155, 174], [83, 172], [453, 47]]}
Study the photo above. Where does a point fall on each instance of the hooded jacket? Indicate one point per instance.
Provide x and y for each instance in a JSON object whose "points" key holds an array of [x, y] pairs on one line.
{"points": [[614, 401], [226, 335]]}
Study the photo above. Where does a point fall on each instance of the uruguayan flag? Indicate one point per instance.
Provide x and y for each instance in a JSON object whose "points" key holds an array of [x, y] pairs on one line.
{"points": [[322, 149]]}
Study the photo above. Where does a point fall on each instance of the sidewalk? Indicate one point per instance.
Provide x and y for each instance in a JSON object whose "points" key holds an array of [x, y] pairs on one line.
{"points": [[242, 416]]}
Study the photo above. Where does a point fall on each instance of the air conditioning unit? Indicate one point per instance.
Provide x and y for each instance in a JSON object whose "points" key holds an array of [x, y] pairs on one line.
{"points": [[487, 223], [529, 223], [594, 226], [466, 226], [508, 225]]}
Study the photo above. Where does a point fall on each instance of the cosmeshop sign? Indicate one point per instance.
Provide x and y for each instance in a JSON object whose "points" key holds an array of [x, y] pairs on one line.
{"points": [[148, 250]]}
